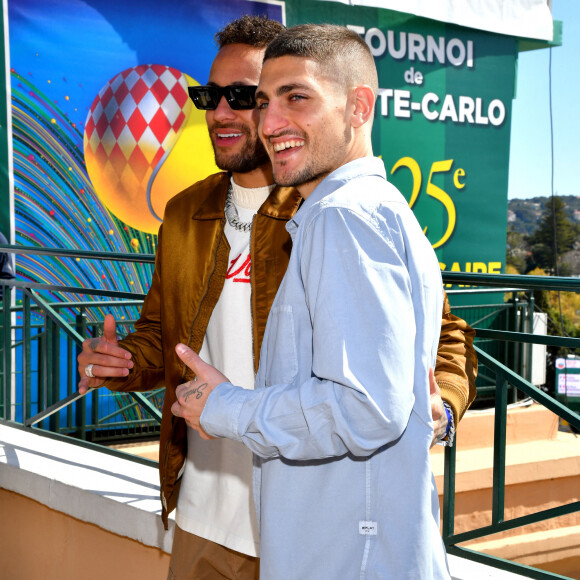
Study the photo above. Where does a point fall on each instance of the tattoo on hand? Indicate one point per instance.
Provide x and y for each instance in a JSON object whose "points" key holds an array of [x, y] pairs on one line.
{"points": [[197, 391], [94, 343], [440, 427]]}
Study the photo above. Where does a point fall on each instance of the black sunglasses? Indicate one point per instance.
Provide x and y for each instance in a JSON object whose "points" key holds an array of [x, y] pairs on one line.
{"points": [[238, 97]]}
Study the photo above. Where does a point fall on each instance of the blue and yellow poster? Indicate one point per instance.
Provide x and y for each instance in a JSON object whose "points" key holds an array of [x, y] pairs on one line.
{"points": [[103, 130]]}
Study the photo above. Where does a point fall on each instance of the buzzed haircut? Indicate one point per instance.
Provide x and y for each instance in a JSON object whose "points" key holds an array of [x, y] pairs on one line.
{"points": [[341, 53], [256, 31]]}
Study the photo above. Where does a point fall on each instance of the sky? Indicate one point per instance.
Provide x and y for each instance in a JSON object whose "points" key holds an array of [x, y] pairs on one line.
{"points": [[530, 172]]}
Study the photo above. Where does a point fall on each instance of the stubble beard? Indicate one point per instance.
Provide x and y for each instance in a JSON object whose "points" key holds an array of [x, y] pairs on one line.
{"points": [[313, 172], [301, 177]]}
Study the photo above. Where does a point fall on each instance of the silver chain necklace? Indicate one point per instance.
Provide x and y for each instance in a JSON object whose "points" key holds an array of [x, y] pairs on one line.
{"points": [[233, 216]]}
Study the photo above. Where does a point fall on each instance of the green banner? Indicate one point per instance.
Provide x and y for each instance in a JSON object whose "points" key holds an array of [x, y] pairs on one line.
{"points": [[442, 125]]}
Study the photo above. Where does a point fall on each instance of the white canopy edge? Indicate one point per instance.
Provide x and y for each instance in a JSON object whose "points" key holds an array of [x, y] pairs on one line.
{"points": [[522, 18]]}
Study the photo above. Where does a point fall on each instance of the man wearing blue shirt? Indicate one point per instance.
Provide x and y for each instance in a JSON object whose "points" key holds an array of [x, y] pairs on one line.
{"points": [[340, 419]]}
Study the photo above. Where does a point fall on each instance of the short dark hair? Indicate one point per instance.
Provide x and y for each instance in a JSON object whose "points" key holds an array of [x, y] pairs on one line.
{"points": [[257, 31], [339, 51]]}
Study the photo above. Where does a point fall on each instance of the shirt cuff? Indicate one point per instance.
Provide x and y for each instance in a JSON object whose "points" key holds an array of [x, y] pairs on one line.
{"points": [[220, 416]]}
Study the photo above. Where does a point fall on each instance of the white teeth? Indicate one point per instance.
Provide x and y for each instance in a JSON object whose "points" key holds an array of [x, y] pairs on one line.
{"points": [[287, 145], [229, 135]]}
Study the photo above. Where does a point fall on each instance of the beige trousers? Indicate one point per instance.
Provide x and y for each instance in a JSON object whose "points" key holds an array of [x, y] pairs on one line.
{"points": [[194, 558]]}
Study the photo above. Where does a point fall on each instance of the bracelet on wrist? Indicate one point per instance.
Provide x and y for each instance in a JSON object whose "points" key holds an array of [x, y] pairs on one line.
{"points": [[449, 436]]}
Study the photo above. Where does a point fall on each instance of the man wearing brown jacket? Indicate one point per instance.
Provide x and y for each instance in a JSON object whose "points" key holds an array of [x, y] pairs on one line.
{"points": [[205, 294]]}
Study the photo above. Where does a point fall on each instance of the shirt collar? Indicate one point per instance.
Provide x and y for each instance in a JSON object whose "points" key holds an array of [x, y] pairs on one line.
{"points": [[364, 166]]}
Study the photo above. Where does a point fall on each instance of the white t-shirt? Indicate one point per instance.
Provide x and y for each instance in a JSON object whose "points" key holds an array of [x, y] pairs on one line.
{"points": [[215, 499]]}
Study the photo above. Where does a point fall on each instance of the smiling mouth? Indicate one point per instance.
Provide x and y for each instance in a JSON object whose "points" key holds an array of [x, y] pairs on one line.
{"points": [[228, 135], [293, 143]]}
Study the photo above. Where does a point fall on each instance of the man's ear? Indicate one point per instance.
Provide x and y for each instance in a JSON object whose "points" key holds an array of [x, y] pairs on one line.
{"points": [[364, 102]]}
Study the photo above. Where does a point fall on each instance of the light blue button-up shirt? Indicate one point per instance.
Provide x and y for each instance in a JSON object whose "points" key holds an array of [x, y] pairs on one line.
{"points": [[340, 420]]}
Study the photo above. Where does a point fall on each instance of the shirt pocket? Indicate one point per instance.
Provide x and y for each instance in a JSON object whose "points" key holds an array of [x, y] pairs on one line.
{"points": [[280, 358]]}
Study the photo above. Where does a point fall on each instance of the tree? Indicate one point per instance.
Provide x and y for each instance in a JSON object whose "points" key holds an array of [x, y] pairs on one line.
{"points": [[545, 249], [516, 250]]}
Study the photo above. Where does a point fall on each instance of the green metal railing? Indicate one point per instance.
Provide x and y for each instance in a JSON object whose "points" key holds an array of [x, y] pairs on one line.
{"points": [[504, 377], [70, 318], [52, 343], [515, 314]]}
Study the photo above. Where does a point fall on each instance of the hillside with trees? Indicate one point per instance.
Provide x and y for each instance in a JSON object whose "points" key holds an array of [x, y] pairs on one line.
{"points": [[530, 241], [524, 214]]}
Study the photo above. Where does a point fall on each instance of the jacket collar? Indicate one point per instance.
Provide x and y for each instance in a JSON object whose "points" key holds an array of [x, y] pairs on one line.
{"points": [[282, 203], [211, 207]]}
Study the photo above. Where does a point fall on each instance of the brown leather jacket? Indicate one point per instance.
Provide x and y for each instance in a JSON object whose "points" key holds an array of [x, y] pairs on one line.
{"points": [[190, 268]]}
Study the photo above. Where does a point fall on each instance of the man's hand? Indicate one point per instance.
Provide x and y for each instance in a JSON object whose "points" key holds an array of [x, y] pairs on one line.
{"points": [[437, 409], [108, 359], [192, 396]]}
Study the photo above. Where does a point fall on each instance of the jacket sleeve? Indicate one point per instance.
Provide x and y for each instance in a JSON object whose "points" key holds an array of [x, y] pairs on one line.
{"points": [[145, 343], [456, 368]]}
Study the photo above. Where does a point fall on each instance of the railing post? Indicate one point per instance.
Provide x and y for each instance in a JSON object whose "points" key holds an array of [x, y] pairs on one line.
{"points": [[95, 401], [532, 307], [81, 404], [26, 358], [516, 345], [507, 348], [7, 331], [526, 327], [499, 450], [70, 378], [49, 370], [5, 399], [95, 395], [55, 376], [41, 385], [449, 492]]}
